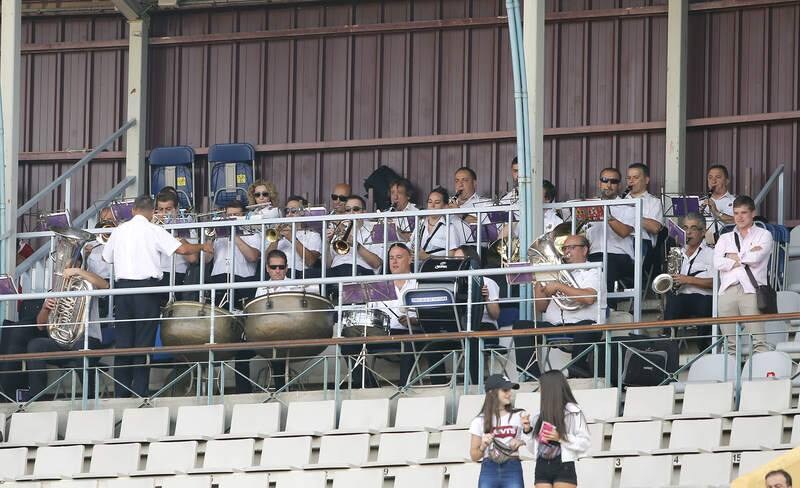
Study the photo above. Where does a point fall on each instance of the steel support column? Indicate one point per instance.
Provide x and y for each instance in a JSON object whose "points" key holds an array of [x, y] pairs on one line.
{"points": [[137, 101], [533, 37], [675, 163]]}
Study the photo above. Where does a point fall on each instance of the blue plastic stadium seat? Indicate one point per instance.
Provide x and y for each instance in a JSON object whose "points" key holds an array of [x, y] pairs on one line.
{"points": [[173, 166], [231, 169]]}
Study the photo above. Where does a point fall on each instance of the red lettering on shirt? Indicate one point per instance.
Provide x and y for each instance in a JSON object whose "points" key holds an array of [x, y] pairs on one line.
{"points": [[504, 431]]}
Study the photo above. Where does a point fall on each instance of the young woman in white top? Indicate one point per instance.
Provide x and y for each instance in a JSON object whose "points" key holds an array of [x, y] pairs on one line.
{"points": [[562, 427], [436, 238], [497, 434]]}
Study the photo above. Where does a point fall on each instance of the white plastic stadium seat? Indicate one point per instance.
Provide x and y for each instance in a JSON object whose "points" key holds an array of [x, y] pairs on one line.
{"points": [[144, 424], [469, 406], [228, 455], [453, 447], [768, 365], [595, 473], [761, 397], [170, 457], [712, 368], [648, 402], [361, 478], [242, 480], [32, 428], [465, 475], [89, 426], [702, 400], [694, 436], [646, 471], [356, 416], [114, 459], [199, 422], [530, 401], [706, 469], [752, 460], [195, 481], [789, 301], [597, 435], [419, 477], [254, 420], [13, 462], [58, 462], [598, 404], [285, 452], [130, 483], [401, 448], [634, 438], [419, 413], [309, 418], [754, 433], [342, 451], [300, 479]]}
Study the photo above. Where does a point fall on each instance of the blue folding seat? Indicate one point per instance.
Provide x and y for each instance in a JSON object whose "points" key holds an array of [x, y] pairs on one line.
{"points": [[173, 166], [231, 169]]}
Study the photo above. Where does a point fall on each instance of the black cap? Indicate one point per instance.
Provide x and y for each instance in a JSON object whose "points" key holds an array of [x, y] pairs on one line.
{"points": [[501, 381]]}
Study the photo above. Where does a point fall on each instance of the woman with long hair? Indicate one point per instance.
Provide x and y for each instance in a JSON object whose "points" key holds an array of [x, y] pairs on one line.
{"points": [[562, 436], [263, 199], [497, 434]]}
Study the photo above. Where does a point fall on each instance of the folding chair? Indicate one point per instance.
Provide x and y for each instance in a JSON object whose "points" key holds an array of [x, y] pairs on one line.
{"points": [[231, 170], [173, 166]]}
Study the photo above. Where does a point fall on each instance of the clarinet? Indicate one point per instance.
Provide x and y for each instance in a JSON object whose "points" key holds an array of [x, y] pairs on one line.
{"points": [[626, 192]]}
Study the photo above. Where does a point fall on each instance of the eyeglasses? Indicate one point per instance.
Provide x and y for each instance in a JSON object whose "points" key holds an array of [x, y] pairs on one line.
{"points": [[261, 194], [613, 181], [572, 246], [341, 198], [291, 210], [687, 228], [277, 266], [353, 209]]}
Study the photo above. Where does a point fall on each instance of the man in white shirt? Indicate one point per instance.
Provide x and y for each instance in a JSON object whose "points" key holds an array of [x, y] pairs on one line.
{"points": [[619, 232], [652, 209], [307, 243], [245, 261], [466, 196], [691, 296], [277, 269], [368, 258], [37, 376], [400, 193], [589, 294], [719, 204], [747, 246], [167, 210], [135, 248], [339, 195]]}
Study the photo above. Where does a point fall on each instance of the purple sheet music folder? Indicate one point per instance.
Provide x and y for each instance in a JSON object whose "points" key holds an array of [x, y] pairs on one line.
{"points": [[676, 233], [519, 278], [379, 291], [7, 286], [391, 233]]}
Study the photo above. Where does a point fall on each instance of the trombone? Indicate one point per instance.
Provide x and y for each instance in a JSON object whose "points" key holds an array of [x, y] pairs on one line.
{"points": [[341, 234]]}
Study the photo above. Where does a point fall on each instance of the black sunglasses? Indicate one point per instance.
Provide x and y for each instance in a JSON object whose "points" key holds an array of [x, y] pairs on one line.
{"points": [[341, 198], [277, 266], [260, 194], [353, 209], [613, 181]]}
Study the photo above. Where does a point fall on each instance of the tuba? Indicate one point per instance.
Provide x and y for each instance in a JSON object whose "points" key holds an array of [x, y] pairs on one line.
{"points": [[547, 250], [67, 320], [664, 283]]}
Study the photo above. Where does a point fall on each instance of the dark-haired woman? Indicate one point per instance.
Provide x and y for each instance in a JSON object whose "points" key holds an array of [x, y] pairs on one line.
{"points": [[497, 434], [561, 426], [436, 238]]}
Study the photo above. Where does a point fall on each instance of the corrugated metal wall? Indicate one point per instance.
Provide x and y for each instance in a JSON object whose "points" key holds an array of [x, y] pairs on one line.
{"points": [[328, 92]]}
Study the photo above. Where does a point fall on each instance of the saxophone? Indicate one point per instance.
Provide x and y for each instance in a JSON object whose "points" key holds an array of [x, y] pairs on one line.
{"points": [[664, 283], [66, 323]]}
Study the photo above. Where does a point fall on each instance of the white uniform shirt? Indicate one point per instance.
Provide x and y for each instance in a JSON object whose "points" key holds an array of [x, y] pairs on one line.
{"points": [[724, 205], [758, 260], [135, 248], [241, 267], [700, 265], [584, 278], [266, 213], [435, 241], [651, 209], [508, 427], [363, 235], [180, 261], [405, 224], [309, 239], [494, 295], [616, 244], [551, 219], [469, 232], [265, 290], [394, 308], [96, 264]]}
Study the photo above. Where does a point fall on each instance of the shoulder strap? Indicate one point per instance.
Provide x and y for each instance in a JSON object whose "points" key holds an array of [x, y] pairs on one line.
{"points": [[428, 240], [746, 267]]}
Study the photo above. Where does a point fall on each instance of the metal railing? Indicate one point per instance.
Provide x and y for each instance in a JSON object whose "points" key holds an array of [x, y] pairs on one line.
{"points": [[775, 179]]}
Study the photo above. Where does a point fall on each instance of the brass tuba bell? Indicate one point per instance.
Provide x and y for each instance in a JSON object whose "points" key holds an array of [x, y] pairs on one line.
{"points": [[664, 283], [547, 250]]}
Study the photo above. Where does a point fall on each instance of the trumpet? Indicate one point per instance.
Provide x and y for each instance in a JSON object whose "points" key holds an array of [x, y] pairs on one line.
{"points": [[273, 234], [340, 235]]}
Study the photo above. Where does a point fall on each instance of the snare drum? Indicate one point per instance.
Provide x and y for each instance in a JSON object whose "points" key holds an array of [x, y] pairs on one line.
{"points": [[365, 323]]}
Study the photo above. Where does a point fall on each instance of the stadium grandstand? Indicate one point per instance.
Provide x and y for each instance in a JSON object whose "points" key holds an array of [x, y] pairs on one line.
{"points": [[399, 243]]}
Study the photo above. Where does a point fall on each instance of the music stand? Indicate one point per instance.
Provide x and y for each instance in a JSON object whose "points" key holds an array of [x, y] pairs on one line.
{"points": [[7, 285], [678, 234], [502, 217], [683, 205], [519, 278], [315, 212], [588, 214], [377, 233], [122, 211], [57, 219], [378, 291]]}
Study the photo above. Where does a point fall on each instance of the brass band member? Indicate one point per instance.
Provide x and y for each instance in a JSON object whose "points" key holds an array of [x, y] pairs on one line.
{"points": [[747, 246], [167, 208], [652, 209], [466, 196], [589, 294], [694, 282], [263, 197], [339, 195], [437, 238], [368, 259], [135, 249], [307, 243], [400, 193], [719, 204], [551, 216], [619, 249], [245, 260]]}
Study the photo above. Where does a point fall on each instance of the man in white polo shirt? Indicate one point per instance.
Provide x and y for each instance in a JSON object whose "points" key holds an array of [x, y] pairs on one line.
{"points": [[136, 248], [652, 209]]}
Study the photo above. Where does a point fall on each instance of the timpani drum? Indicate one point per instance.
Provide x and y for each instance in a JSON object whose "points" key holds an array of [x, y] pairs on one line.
{"points": [[189, 323]]}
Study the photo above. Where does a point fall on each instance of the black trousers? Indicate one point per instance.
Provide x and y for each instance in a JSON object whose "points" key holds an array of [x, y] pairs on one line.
{"points": [[619, 267], [136, 328], [164, 297], [690, 306], [15, 340], [523, 345], [37, 380]]}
